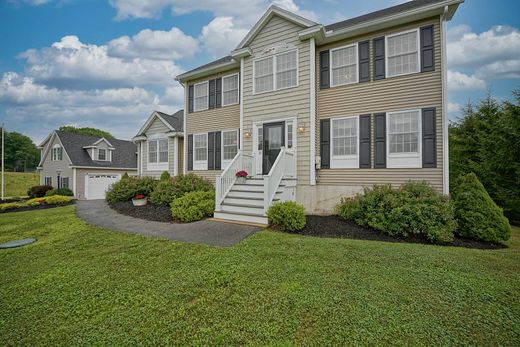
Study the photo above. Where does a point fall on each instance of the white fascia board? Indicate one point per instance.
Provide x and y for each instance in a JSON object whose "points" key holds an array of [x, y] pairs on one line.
{"points": [[207, 71], [149, 121]]}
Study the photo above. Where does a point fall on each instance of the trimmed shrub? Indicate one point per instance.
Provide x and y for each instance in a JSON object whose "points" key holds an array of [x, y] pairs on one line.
{"points": [[191, 183], [287, 215], [61, 191], [414, 209], [10, 206], [164, 193], [125, 176], [193, 206], [165, 176], [57, 200], [126, 189], [478, 216], [38, 191], [35, 201]]}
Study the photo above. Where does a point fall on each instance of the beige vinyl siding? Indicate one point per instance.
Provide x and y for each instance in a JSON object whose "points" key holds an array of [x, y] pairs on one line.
{"points": [[50, 168], [280, 104], [81, 174], [414, 91], [158, 127], [217, 119]]}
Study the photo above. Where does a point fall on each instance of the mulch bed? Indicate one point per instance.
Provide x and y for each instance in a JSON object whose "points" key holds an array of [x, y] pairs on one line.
{"points": [[37, 207], [333, 226], [148, 211]]}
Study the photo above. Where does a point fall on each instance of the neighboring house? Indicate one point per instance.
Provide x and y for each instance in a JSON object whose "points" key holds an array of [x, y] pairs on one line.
{"points": [[87, 165], [160, 144], [315, 112]]}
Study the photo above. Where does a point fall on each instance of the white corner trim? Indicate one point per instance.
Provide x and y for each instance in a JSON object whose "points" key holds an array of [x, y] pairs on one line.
{"points": [[185, 142], [241, 144], [74, 182], [445, 137], [312, 110], [175, 156]]}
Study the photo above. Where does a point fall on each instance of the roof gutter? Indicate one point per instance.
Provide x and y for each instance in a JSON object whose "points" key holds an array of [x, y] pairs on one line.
{"points": [[102, 167], [204, 72]]}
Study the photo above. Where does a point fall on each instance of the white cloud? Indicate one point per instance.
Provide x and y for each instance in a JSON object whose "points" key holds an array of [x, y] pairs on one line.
{"points": [[70, 63], [454, 107], [220, 36], [459, 81], [156, 45]]}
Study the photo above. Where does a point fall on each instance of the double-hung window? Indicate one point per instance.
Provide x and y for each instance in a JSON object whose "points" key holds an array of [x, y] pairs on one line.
{"points": [[404, 134], [200, 151], [158, 154], [57, 153], [200, 97], [102, 154], [344, 147], [152, 151], [163, 150], [230, 90], [276, 72], [344, 65], [65, 182], [229, 145], [48, 181], [402, 53]]}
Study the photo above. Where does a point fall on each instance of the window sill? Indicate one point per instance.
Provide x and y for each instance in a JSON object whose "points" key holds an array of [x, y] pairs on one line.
{"points": [[157, 167]]}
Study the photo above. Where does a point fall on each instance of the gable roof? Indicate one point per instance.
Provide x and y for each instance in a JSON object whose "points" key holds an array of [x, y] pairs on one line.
{"points": [[174, 122], [124, 155]]}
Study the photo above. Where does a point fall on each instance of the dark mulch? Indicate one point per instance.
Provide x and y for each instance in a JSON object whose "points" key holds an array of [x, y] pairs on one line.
{"points": [[148, 211], [333, 226], [37, 207]]}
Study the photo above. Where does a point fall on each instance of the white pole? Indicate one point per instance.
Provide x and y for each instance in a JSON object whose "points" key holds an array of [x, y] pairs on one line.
{"points": [[2, 161]]}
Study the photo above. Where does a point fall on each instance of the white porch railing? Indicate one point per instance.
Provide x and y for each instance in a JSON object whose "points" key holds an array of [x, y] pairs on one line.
{"points": [[225, 181], [284, 165]]}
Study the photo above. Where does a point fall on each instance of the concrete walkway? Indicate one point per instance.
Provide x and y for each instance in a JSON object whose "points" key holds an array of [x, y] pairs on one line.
{"points": [[97, 212]]}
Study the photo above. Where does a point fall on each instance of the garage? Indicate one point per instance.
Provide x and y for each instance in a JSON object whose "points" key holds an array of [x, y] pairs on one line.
{"points": [[96, 185]]}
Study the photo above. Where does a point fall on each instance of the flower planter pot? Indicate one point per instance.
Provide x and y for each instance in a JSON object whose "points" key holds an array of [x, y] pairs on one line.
{"points": [[139, 202], [241, 180]]}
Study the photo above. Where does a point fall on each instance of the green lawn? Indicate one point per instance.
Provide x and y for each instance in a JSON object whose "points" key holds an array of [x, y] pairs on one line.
{"points": [[81, 285], [17, 183]]}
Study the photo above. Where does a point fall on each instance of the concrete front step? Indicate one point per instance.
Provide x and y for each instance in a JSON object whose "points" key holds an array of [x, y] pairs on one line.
{"points": [[242, 217]]}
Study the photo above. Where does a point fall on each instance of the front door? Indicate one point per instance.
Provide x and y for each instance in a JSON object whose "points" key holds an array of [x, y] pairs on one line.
{"points": [[274, 139]]}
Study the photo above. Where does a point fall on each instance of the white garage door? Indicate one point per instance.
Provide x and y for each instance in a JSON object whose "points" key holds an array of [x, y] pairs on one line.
{"points": [[97, 184]]}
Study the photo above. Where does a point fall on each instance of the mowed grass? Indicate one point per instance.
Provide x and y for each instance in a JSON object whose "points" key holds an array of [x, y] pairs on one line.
{"points": [[80, 285], [17, 183]]}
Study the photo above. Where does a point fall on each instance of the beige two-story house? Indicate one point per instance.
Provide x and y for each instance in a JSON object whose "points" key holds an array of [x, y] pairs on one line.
{"points": [[316, 112]]}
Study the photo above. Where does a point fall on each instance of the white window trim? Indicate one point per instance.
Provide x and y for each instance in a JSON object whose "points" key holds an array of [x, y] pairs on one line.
{"points": [[418, 52], [274, 71], [157, 166], [106, 154], [357, 65], [222, 90], [226, 162], [344, 161], [195, 96], [56, 146], [200, 165], [403, 160]]}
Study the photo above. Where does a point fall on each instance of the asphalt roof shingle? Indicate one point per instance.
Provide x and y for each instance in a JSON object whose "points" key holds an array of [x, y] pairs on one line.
{"points": [[124, 155], [176, 120]]}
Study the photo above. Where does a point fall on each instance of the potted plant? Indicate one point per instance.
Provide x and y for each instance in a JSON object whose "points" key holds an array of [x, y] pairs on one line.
{"points": [[241, 176], [139, 200]]}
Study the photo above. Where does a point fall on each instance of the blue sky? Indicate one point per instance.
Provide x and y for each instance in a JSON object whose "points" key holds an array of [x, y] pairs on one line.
{"points": [[110, 63]]}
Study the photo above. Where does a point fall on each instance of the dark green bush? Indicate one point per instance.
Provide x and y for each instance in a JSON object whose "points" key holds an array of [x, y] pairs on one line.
{"points": [[287, 215], [38, 191], [478, 216], [193, 206], [126, 189], [165, 176], [191, 183], [413, 209], [164, 193], [125, 176], [61, 191]]}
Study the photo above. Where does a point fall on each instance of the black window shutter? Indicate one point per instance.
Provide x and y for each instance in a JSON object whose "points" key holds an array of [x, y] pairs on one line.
{"points": [[364, 61], [429, 141], [190, 98], [212, 100], [380, 140], [325, 143], [190, 152], [211, 151], [218, 92], [218, 151], [427, 49], [324, 69], [379, 58], [364, 141]]}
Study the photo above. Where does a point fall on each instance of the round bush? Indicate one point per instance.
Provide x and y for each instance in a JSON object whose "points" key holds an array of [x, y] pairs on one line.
{"points": [[413, 209], [287, 215], [478, 216], [165, 176], [191, 183], [193, 206], [164, 193], [126, 189], [38, 191]]}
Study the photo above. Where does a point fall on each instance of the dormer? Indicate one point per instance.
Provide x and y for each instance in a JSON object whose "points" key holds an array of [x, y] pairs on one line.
{"points": [[101, 150]]}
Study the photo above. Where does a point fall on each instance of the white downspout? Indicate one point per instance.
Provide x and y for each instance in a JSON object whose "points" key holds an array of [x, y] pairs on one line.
{"points": [[312, 111], [445, 140], [241, 103], [185, 143]]}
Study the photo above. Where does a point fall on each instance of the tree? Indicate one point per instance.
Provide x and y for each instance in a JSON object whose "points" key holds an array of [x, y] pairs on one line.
{"points": [[20, 152], [86, 131], [486, 141]]}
